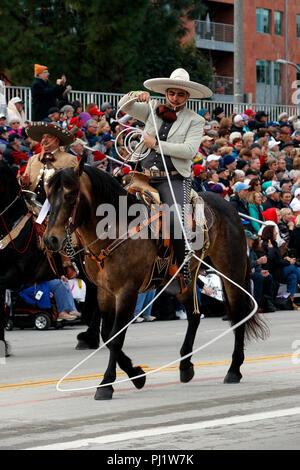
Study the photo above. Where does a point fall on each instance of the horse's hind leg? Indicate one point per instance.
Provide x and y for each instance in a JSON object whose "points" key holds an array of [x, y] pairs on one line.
{"points": [[186, 366]]}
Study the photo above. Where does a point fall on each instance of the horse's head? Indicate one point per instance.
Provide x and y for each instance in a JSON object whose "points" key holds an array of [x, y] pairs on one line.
{"points": [[64, 195]]}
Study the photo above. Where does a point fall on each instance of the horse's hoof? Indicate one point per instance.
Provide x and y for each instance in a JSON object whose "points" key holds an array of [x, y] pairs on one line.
{"points": [[81, 345], [187, 374], [7, 349], [87, 341], [104, 393], [232, 378], [140, 381]]}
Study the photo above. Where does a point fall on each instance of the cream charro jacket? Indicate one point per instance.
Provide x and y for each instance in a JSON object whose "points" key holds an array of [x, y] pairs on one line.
{"points": [[183, 139], [35, 166]]}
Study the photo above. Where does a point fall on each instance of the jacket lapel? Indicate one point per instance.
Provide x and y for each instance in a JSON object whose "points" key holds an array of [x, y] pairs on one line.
{"points": [[177, 123]]}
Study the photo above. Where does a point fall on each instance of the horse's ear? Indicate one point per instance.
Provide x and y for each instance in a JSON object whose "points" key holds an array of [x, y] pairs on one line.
{"points": [[80, 165]]}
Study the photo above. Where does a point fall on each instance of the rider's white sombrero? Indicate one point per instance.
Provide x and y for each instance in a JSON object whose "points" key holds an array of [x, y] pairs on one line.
{"points": [[178, 79], [37, 129]]}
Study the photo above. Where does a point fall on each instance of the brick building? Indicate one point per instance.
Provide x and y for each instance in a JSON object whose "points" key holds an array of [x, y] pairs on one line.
{"points": [[266, 39]]}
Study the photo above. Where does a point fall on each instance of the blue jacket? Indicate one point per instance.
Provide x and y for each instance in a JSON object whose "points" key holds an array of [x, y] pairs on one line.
{"points": [[29, 295]]}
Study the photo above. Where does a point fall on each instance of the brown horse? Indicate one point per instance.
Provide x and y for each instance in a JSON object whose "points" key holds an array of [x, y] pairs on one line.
{"points": [[74, 197]]}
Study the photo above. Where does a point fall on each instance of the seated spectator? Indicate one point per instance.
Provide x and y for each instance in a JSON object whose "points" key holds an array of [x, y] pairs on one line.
{"points": [[229, 162], [239, 200], [296, 198], [283, 270], [296, 139], [206, 143], [286, 225], [255, 185], [248, 140], [68, 111], [212, 162], [218, 113], [272, 200], [238, 124], [255, 150], [260, 121], [3, 138], [96, 114], [294, 241], [237, 145], [262, 279], [77, 148], [142, 301], [255, 209], [12, 155], [15, 125], [15, 109], [205, 114], [3, 120], [199, 179], [91, 132], [77, 106], [53, 115], [103, 128], [62, 294]]}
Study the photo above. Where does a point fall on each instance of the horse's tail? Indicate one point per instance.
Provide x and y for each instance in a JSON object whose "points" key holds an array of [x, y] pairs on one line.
{"points": [[255, 327]]}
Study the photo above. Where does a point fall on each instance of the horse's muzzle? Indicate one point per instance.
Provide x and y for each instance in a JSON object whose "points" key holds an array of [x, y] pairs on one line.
{"points": [[53, 243]]}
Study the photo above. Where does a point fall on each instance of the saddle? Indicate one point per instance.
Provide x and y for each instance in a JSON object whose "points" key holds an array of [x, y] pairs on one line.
{"points": [[165, 265]]}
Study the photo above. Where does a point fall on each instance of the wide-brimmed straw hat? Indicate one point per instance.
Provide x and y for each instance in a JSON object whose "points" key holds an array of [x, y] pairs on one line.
{"points": [[178, 79], [36, 130]]}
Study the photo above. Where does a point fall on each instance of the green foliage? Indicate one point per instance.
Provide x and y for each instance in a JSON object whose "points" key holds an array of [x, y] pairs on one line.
{"points": [[99, 45]]}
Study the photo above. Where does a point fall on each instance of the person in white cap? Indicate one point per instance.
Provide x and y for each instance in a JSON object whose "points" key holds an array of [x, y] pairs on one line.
{"points": [[238, 124], [15, 109], [180, 130]]}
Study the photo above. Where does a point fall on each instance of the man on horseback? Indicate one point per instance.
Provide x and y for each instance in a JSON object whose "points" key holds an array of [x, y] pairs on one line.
{"points": [[51, 158], [179, 131], [41, 166]]}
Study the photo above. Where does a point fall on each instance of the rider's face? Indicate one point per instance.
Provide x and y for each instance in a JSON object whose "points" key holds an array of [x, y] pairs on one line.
{"points": [[176, 97]]}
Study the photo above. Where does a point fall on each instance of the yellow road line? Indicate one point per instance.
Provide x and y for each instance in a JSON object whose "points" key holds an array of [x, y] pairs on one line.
{"points": [[79, 378]]}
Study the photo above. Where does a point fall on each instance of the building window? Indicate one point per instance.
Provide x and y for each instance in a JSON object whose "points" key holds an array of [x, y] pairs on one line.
{"points": [[298, 25], [278, 15], [263, 20], [277, 74], [263, 71]]}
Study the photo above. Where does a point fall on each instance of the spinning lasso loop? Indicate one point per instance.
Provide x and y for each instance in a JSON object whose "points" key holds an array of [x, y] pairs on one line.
{"points": [[130, 134], [190, 254]]}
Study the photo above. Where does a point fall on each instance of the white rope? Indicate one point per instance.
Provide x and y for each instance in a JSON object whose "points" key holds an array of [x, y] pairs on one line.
{"points": [[190, 254]]}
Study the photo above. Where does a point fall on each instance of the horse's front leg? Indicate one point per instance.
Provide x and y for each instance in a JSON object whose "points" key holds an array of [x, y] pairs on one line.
{"points": [[186, 366], [125, 305]]}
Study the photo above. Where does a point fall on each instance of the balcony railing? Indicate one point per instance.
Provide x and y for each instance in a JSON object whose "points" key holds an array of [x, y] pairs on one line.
{"points": [[210, 35], [222, 85]]}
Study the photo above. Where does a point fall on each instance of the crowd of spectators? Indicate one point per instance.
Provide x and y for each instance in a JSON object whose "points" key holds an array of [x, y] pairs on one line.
{"points": [[245, 158]]}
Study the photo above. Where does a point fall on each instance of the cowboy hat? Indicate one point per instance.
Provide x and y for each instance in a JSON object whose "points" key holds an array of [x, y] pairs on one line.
{"points": [[179, 78], [36, 130]]}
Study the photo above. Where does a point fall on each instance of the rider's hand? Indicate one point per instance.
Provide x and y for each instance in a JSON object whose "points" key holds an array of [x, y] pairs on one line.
{"points": [[150, 141], [143, 96]]}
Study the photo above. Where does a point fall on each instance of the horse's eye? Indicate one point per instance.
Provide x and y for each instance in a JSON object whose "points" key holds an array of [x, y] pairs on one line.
{"points": [[70, 197]]}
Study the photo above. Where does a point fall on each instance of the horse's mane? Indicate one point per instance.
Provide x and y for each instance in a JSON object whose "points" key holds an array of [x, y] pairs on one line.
{"points": [[105, 188]]}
